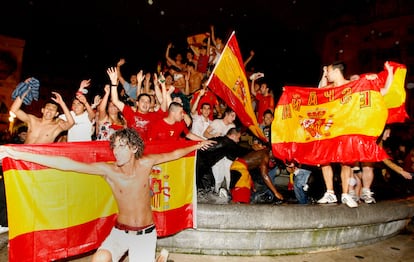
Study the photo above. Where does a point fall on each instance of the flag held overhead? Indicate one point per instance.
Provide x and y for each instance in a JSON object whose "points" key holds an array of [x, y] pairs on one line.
{"points": [[228, 80]]}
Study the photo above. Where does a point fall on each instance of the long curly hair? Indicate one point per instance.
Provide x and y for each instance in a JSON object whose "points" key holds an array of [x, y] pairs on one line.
{"points": [[130, 137]]}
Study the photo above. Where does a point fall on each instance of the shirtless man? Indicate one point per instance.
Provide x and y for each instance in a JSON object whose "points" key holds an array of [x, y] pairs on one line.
{"points": [[48, 127], [333, 76], [193, 78], [240, 176], [128, 177]]}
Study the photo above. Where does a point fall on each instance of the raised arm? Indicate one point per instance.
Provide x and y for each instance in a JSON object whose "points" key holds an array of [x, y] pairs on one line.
{"points": [[195, 50], [166, 96], [147, 83], [120, 63], [389, 79], [254, 77], [197, 101], [84, 101], [249, 58], [187, 83], [65, 125], [324, 79], [113, 76], [170, 61], [15, 108], [83, 85], [157, 89], [213, 36], [140, 79], [102, 106]]}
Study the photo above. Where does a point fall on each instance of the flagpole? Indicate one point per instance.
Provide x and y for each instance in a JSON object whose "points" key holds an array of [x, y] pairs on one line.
{"points": [[220, 58]]}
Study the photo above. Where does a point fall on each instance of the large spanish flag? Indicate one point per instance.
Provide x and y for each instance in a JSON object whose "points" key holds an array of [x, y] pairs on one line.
{"points": [[323, 125], [228, 80], [55, 214]]}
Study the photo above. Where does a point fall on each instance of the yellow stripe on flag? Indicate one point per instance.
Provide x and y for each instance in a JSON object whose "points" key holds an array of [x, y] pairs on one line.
{"points": [[308, 123], [396, 95], [42, 199]]}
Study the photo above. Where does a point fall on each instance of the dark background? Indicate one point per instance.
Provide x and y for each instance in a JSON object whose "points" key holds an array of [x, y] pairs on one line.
{"points": [[75, 40]]}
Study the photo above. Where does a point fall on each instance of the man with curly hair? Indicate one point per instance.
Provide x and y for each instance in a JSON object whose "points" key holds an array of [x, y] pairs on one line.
{"points": [[128, 177]]}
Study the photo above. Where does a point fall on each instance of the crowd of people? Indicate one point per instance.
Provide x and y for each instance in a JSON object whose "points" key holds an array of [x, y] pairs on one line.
{"points": [[175, 103]]}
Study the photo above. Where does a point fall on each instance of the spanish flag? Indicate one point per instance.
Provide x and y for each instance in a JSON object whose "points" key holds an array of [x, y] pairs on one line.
{"points": [[228, 81], [323, 125], [55, 214], [198, 40]]}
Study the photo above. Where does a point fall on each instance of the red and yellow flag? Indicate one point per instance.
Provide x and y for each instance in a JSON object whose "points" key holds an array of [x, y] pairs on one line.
{"points": [[55, 214], [228, 81], [323, 125]]}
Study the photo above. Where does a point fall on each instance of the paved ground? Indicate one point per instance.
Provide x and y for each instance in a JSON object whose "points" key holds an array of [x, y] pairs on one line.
{"points": [[398, 248]]}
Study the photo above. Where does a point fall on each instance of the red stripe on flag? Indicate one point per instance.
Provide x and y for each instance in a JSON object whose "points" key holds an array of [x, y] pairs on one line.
{"points": [[397, 114], [48, 245], [174, 220], [343, 149]]}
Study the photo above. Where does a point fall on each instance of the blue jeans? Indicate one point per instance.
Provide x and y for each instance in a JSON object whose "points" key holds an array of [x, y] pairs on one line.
{"points": [[300, 179]]}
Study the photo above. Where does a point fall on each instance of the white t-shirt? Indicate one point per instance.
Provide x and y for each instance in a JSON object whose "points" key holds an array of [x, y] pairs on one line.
{"points": [[199, 125], [81, 130], [219, 128]]}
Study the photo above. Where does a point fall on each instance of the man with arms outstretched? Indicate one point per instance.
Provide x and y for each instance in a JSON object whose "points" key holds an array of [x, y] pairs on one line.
{"points": [[128, 177]]}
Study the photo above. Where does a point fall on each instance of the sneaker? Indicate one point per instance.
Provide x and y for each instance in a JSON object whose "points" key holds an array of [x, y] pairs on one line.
{"points": [[163, 257], [202, 196], [216, 198], [347, 199], [328, 198], [263, 198], [367, 196], [223, 193], [3, 229], [354, 196]]}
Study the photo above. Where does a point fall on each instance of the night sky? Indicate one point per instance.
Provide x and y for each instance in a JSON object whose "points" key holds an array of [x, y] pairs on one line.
{"points": [[77, 39]]}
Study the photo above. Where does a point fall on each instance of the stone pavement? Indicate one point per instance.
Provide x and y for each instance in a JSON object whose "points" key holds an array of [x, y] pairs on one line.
{"points": [[398, 248]]}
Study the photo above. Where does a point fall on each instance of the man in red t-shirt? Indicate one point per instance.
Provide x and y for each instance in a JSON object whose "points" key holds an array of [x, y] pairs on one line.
{"points": [[138, 119], [172, 127], [208, 97], [264, 97]]}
